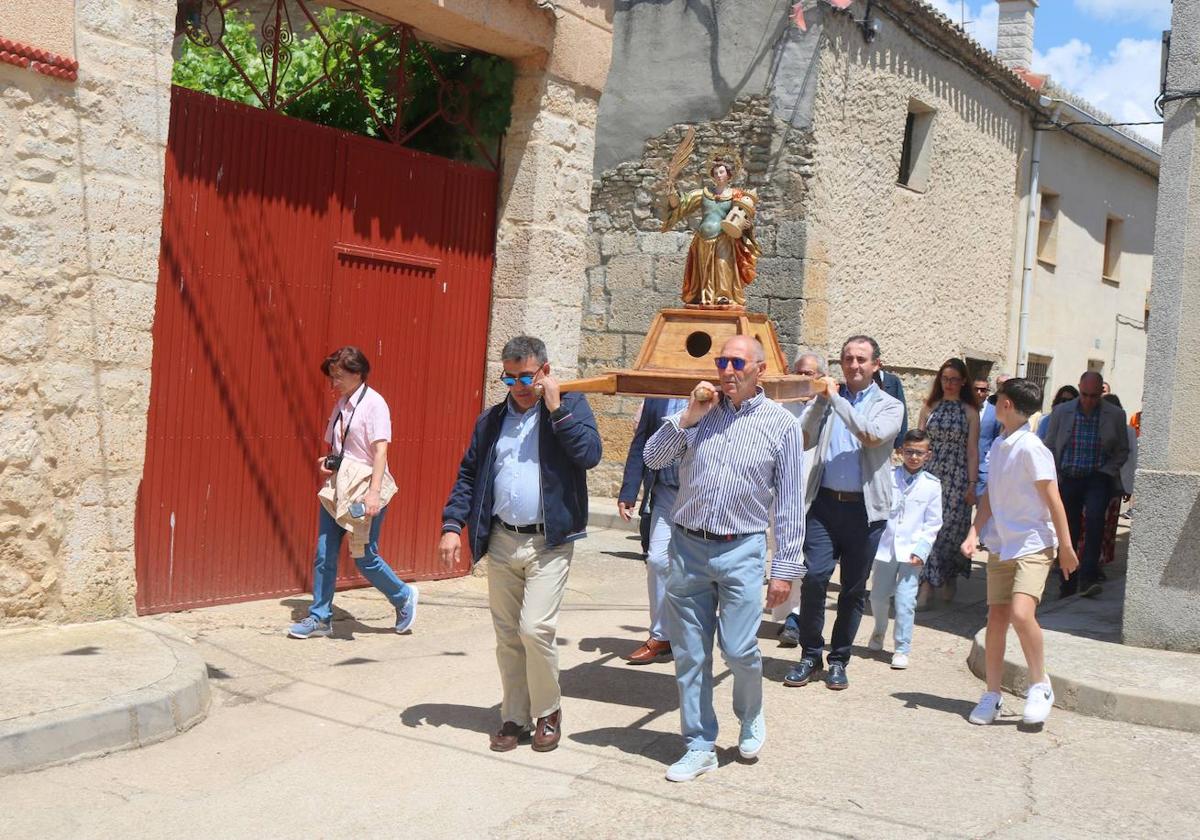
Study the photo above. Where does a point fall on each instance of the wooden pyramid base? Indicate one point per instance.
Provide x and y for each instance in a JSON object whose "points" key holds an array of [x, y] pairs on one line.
{"points": [[680, 351]]}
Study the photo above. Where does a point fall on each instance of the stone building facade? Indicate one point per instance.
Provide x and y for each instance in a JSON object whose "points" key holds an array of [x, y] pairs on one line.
{"points": [[81, 178], [81, 197], [893, 160]]}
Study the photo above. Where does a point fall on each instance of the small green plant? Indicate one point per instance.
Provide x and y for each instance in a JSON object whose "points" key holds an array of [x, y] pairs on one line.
{"points": [[487, 79]]}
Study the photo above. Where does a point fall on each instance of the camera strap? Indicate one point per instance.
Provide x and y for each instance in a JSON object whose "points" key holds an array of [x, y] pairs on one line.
{"points": [[349, 420]]}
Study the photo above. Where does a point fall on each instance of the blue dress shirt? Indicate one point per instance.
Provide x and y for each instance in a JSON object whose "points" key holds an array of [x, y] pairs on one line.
{"points": [[843, 464], [518, 482]]}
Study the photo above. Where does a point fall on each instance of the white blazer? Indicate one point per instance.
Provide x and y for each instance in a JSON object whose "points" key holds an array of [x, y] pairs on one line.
{"points": [[915, 519]]}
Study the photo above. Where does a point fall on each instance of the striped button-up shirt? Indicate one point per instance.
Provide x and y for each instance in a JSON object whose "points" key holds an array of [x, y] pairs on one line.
{"points": [[734, 465]]}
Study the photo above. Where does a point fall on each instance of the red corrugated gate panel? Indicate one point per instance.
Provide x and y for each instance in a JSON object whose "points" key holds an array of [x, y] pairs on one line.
{"points": [[282, 240]]}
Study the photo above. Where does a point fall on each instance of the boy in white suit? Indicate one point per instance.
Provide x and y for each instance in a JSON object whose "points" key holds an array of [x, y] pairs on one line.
{"points": [[912, 527]]}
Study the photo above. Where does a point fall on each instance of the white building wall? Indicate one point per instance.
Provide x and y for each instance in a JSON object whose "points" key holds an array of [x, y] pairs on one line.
{"points": [[1074, 311]]}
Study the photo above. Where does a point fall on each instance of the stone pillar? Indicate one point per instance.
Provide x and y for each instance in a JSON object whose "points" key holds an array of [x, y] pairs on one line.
{"points": [[1162, 596], [541, 240], [81, 193], [1014, 36]]}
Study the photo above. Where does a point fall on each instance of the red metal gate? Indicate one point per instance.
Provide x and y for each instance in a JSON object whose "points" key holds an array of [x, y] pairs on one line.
{"points": [[282, 240]]}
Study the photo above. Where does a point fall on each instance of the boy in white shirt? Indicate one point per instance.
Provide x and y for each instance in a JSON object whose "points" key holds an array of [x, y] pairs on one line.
{"points": [[1024, 519], [911, 530]]}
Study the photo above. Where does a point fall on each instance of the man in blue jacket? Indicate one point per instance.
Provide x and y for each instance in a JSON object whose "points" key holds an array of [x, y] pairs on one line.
{"points": [[522, 495], [661, 488]]}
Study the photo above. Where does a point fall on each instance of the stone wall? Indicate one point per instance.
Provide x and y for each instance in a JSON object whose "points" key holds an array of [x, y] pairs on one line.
{"points": [[81, 177], [635, 269], [541, 240]]}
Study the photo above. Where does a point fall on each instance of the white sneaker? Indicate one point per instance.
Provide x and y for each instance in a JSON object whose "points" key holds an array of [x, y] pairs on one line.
{"points": [[694, 763], [899, 661], [1038, 702], [986, 709], [753, 736], [876, 642]]}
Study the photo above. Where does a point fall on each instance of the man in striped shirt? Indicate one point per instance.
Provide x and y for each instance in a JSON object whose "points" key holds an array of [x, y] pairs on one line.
{"points": [[739, 454]]}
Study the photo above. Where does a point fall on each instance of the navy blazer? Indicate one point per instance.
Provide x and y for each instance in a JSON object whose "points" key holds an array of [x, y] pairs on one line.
{"points": [[567, 449], [891, 386], [654, 411]]}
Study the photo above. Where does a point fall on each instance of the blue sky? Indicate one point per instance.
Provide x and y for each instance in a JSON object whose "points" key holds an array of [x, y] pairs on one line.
{"points": [[1107, 51]]}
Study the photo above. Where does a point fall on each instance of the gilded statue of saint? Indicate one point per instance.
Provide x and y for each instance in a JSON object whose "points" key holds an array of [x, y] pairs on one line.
{"points": [[721, 260]]}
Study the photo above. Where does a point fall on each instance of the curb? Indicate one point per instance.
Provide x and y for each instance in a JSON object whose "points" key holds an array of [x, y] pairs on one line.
{"points": [[124, 721], [602, 513], [1089, 694]]}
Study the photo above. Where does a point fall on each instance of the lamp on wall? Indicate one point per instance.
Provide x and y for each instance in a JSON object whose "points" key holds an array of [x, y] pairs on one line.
{"points": [[869, 24]]}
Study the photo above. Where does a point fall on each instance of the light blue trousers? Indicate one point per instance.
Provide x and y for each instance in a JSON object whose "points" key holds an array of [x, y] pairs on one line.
{"points": [[658, 564], [900, 580], [715, 588]]}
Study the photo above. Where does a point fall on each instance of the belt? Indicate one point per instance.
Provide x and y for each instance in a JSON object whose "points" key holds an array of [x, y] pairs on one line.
{"points": [[709, 535], [842, 496], [521, 529]]}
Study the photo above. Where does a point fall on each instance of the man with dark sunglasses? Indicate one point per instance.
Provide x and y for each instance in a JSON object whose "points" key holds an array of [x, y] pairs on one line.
{"points": [[521, 494], [740, 464]]}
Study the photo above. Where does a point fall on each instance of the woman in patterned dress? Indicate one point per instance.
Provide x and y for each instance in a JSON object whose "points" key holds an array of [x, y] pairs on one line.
{"points": [[951, 417]]}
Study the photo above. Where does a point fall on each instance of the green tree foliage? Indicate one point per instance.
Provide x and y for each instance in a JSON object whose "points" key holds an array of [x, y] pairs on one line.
{"points": [[487, 81]]}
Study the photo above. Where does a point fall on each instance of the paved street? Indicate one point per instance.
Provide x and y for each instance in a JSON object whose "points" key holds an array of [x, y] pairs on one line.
{"points": [[374, 735]]}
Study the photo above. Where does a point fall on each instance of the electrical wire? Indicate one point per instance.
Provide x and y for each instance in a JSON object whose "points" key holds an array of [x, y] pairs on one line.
{"points": [[1173, 96]]}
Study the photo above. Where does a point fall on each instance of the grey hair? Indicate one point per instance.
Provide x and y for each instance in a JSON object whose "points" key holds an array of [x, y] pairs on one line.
{"points": [[810, 354], [1002, 375], [524, 347]]}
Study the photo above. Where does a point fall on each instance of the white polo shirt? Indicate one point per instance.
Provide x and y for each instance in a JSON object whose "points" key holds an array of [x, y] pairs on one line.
{"points": [[1020, 522]]}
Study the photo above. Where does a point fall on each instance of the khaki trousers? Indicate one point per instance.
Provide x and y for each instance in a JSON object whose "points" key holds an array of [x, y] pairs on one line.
{"points": [[526, 581]]}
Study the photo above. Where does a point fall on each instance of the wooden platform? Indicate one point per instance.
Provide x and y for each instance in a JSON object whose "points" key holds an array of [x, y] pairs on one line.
{"points": [[680, 351]]}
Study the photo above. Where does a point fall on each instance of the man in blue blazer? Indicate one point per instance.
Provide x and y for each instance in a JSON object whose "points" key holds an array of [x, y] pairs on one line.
{"points": [[660, 488]]}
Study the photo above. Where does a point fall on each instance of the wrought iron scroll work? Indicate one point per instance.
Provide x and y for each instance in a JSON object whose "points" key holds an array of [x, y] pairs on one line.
{"points": [[203, 23]]}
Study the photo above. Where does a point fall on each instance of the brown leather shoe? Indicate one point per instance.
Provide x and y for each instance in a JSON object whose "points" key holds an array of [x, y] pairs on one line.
{"points": [[509, 736], [652, 651], [548, 732]]}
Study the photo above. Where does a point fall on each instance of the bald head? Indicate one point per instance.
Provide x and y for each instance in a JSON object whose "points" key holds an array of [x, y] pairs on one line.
{"points": [[1092, 377], [747, 344], [1091, 389], [745, 352]]}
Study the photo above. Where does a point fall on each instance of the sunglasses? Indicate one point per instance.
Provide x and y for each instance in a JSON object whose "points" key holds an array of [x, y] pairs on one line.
{"points": [[725, 361], [524, 378], [982, 390]]}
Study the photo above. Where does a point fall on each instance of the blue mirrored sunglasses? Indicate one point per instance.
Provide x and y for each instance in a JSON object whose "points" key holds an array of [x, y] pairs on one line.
{"points": [[524, 379], [725, 361]]}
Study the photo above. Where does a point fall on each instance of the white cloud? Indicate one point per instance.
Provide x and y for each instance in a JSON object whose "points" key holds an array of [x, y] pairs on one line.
{"points": [[982, 19], [1123, 83], [1155, 14]]}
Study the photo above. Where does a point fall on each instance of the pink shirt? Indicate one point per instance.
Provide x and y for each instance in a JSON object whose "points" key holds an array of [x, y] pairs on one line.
{"points": [[372, 422]]}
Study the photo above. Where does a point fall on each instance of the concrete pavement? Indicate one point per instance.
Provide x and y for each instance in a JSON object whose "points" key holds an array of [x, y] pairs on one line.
{"points": [[76, 690], [374, 735]]}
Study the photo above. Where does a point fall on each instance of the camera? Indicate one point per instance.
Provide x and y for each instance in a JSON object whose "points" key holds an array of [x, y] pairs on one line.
{"points": [[332, 462]]}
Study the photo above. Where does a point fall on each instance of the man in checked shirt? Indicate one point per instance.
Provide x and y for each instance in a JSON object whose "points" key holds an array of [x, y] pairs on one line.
{"points": [[739, 453]]}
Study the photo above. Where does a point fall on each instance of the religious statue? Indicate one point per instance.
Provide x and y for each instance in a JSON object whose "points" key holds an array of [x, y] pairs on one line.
{"points": [[721, 260]]}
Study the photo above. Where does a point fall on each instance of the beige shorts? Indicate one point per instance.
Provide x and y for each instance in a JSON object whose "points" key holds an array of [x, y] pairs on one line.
{"points": [[1025, 574]]}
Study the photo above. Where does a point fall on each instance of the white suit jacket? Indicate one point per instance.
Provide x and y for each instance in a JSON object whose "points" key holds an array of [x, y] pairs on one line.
{"points": [[915, 520]]}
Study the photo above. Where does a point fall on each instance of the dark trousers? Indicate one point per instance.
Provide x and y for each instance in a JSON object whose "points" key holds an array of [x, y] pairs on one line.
{"points": [[836, 532], [1086, 501]]}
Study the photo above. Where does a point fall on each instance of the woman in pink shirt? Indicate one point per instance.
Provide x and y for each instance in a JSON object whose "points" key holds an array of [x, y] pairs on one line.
{"points": [[357, 434]]}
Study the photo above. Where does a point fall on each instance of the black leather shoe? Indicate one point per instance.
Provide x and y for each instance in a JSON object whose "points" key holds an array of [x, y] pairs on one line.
{"points": [[802, 673], [836, 678], [789, 636]]}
